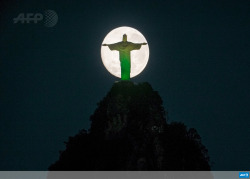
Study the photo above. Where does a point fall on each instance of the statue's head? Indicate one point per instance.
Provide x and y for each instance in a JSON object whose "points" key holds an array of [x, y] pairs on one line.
{"points": [[124, 39]]}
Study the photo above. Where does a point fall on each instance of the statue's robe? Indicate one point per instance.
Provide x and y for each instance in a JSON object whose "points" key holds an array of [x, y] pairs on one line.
{"points": [[124, 49]]}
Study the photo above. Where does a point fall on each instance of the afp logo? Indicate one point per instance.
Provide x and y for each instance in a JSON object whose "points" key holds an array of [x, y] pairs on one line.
{"points": [[243, 174], [49, 18]]}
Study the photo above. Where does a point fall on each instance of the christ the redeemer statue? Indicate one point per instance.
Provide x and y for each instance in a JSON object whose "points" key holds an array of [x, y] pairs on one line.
{"points": [[124, 47]]}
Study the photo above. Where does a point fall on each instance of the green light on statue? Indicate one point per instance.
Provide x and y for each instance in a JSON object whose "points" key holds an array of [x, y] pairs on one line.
{"points": [[125, 59], [124, 47]]}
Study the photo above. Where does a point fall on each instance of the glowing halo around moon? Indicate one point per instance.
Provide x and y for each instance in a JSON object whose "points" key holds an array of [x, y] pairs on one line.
{"points": [[139, 58]]}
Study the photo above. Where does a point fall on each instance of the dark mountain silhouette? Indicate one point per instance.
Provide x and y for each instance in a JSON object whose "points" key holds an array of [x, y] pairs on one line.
{"points": [[129, 131]]}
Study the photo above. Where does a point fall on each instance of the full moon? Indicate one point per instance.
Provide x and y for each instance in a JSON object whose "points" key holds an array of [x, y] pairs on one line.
{"points": [[139, 58]]}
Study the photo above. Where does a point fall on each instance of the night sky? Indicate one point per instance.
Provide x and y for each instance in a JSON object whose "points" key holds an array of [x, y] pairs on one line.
{"points": [[52, 78]]}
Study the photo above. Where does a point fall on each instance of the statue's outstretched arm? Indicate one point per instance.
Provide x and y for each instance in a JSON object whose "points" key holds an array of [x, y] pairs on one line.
{"points": [[108, 44], [114, 46], [144, 43]]}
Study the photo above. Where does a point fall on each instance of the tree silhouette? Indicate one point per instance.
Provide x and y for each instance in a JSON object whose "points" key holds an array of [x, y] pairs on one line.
{"points": [[129, 132]]}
